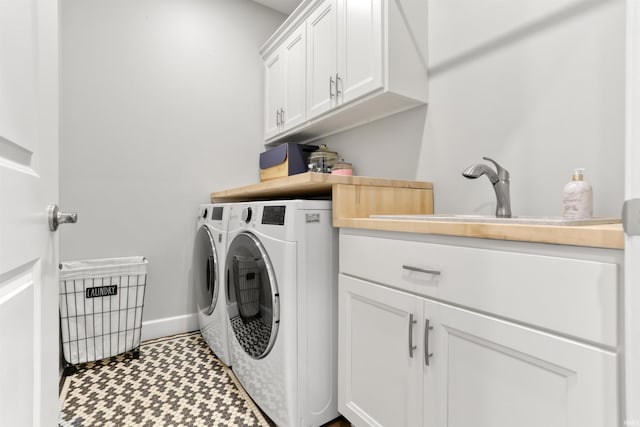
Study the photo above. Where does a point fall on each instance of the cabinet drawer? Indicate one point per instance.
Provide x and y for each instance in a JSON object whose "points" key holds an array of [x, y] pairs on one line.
{"points": [[571, 296]]}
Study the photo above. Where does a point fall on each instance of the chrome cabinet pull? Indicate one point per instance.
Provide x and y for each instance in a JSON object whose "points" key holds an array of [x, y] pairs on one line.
{"points": [[427, 355], [421, 270], [338, 80], [331, 87], [411, 346], [282, 116], [277, 118]]}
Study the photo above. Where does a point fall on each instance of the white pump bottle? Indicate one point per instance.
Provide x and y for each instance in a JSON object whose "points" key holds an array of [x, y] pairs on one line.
{"points": [[577, 197]]}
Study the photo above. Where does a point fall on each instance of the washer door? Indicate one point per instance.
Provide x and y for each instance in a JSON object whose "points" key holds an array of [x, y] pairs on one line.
{"points": [[205, 270], [252, 295]]}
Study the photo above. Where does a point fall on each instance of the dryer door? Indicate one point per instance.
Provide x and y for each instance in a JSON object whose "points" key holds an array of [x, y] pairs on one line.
{"points": [[252, 295], [205, 270]]}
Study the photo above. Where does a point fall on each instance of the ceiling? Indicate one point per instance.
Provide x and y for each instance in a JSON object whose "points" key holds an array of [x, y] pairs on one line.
{"points": [[283, 6]]}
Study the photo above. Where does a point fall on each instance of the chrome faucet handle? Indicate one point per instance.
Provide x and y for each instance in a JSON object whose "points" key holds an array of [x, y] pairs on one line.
{"points": [[503, 174]]}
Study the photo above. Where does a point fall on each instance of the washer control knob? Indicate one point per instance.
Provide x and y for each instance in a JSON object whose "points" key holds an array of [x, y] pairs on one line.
{"points": [[246, 214]]}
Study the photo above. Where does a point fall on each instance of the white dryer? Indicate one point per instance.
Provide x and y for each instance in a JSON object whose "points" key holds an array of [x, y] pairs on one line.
{"points": [[282, 271], [209, 257]]}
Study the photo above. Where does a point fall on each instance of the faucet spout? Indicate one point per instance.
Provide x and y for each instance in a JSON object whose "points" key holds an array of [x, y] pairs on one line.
{"points": [[479, 169], [500, 181]]}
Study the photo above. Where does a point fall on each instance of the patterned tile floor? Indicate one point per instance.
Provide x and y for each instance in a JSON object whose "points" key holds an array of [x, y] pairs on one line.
{"points": [[177, 381]]}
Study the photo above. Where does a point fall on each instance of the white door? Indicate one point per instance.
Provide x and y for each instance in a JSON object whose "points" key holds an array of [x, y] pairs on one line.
{"points": [[295, 64], [359, 48], [29, 355], [274, 79], [321, 59], [379, 355], [632, 242], [492, 373]]}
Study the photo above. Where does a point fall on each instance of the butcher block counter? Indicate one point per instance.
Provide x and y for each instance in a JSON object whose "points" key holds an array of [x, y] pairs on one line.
{"points": [[355, 198], [609, 236]]}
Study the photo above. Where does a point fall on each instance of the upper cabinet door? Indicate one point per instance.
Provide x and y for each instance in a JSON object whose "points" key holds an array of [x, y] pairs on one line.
{"points": [[295, 65], [321, 58], [274, 79], [359, 48]]}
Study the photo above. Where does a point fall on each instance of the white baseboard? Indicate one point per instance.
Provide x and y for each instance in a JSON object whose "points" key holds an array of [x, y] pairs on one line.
{"points": [[159, 328]]}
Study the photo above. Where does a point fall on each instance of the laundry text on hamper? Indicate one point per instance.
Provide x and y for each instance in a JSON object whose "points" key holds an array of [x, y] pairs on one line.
{"points": [[102, 291]]}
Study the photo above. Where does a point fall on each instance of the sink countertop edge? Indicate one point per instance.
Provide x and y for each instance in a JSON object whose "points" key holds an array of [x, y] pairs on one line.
{"points": [[608, 236]]}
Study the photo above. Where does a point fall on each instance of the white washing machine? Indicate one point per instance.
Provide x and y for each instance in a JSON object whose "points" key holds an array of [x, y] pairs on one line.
{"points": [[282, 274], [209, 257]]}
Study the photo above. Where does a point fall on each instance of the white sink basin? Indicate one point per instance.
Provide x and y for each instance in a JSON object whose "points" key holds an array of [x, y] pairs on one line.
{"points": [[532, 220]]}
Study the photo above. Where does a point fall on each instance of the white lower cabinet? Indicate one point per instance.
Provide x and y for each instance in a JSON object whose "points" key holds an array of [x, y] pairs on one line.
{"points": [[485, 372], [380, 378], [406, 359]]}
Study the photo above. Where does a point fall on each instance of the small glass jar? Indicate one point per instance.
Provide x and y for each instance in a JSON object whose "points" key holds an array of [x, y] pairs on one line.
{"points": [[322, 160], [342, 168]]}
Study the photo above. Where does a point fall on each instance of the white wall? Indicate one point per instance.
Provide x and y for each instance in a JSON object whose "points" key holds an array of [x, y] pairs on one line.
{"points": [[161, 103], [538, 85]]}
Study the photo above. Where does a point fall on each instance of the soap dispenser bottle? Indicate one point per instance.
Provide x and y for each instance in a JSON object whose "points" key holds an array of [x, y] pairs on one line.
{"points": [[577, 198]]}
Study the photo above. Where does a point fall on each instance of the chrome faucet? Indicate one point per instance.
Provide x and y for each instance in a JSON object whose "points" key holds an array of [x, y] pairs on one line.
{"points": [[500, 181]]}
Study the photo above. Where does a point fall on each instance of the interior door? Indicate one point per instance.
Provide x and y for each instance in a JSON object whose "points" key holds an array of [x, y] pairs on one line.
{"points": [[632, 242], [29, 354]]}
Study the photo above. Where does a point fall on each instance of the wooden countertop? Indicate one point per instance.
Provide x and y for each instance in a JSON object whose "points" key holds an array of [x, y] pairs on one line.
{"points": [[308, 184], [355, 198], [608, 236]]}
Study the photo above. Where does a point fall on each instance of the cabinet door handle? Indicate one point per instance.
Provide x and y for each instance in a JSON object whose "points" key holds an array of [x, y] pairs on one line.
{"points": [[421, 270], [277, 118], [338, 80], [411, 346], [331, 87], [282, 116], [427, 355]]}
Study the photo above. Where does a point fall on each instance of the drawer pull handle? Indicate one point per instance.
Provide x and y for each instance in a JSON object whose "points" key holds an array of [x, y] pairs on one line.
{"points": [[421, 270], [411, 346], [427, 355]]}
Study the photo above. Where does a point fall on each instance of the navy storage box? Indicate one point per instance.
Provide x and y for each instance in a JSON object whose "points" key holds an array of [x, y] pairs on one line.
{"points": [[284, 160]]}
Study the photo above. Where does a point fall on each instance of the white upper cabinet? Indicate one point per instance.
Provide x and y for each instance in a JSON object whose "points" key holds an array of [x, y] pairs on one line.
{"points": [[274, 91], [294, 49], [285, 85], [359, 48], [364, 60], [322, 58]]}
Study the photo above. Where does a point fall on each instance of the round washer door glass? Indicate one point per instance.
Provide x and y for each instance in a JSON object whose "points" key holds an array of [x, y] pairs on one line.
{"points": [[205, 270], [252, 295]]}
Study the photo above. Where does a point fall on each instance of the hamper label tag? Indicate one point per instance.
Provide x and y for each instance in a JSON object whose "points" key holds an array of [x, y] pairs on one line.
{"points": [[102, 291]]}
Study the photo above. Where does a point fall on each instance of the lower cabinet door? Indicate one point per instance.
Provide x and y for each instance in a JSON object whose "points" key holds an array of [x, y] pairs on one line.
{"points": [[380, 348], [485, 372]]}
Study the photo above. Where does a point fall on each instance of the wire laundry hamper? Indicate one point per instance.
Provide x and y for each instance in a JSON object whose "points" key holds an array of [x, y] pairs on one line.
{"points": [[246, 272], [101, 303]]}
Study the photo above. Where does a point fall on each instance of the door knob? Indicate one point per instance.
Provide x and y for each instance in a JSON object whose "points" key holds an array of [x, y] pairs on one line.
{"points": [[56, 217]]}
